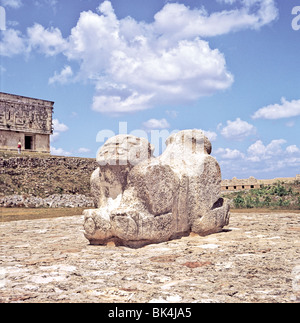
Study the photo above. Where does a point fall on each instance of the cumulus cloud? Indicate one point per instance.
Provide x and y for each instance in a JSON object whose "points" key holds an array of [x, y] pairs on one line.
{"points": [[293, 149], [211, 135], [189, 23], [134, 69], [112, 104], [227, 1], [273, 156], [46, 41], [137, 65], [258, 151], [16, 4], [54, 137], [238, 130], [260, 159], [59, 152], [58, 128], [172, 113], [63, 77], [84, 150], [12, 43], [51, 3], [286, 109], [226, 153], [156, 124]]}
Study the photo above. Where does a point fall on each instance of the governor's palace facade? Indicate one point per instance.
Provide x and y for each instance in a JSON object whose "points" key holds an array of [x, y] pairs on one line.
{"points": [[25, 120]]}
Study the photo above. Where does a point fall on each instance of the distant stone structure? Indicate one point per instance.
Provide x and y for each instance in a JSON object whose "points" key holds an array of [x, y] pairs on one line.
{"points": [[25, 120], [142, 199], [236, 184]]}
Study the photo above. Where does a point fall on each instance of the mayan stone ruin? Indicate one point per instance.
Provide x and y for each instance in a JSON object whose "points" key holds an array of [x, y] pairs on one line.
{"points": [[142, 199], [252, 182], [25, 120]]}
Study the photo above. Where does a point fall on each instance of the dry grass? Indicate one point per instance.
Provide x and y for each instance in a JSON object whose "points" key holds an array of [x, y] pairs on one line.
{"points": [[17, 214], [256, 210], [14, 154]]}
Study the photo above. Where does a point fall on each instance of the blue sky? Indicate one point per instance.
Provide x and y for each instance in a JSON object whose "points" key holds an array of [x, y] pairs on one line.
{"points": [[228, 67]]}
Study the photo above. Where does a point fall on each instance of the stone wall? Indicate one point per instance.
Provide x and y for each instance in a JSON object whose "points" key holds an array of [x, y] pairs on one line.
{"points": [[19, 113], [22, 117], [9, 141], [252, 182], [52, 201], [37, 178]]}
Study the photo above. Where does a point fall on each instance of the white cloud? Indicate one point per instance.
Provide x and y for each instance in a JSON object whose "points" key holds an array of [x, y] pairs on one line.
{"points": [[63, 77], [57, 129], [47, 41], [137, 65], [116, 104], [211, 135], [227, 1], [238, 130], [54, 137], [286, 109], [189, 23], [2, 69], [59, 152], [293, 149], [258, 151], [51, 3], [137, 71], [290, 124], [60, 127], [226, 153], [260, 159], [172, 113], [16, 4], [156, 124], [274, 147], [83, 150], [12, 23], [12, 43]]}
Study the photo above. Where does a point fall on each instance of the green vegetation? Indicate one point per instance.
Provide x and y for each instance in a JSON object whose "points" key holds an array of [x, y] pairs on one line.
{"points": [[277, 196]]}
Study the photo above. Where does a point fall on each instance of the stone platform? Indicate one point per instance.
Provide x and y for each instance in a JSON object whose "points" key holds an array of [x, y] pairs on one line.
{"points": [[255, 259]]}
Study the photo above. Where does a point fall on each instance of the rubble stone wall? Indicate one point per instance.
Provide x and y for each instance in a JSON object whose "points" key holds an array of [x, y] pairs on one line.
{"points": [[49, 181]]}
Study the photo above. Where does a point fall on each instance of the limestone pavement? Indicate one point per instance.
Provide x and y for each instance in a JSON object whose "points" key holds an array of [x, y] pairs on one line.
{"points": [[254, 259]]}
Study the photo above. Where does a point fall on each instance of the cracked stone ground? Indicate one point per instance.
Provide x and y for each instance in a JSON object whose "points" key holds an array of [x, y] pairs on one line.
{"points": [[255, 259]]}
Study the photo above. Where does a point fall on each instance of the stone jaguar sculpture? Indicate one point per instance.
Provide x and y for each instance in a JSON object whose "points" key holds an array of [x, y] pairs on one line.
{"points": [[142, 199]]}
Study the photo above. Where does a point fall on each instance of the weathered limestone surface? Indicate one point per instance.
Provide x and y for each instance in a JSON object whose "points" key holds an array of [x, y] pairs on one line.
{"points": [[143, 200], [256, 259]]}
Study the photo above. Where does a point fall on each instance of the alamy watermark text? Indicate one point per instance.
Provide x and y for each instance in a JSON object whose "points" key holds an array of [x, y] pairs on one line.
{"points": [[2, 19], [296, 20]]}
